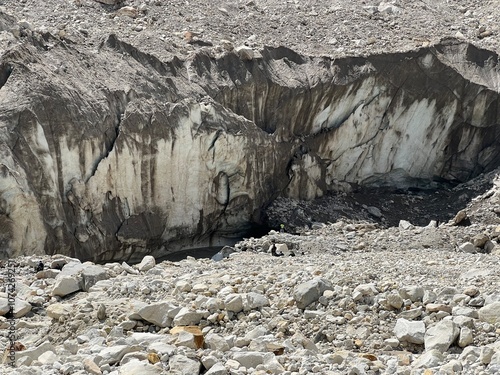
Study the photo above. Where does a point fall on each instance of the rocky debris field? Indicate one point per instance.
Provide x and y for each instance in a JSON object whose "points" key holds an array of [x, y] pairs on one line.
{"points": [[350, 297], [393, 283], [338, 27]]}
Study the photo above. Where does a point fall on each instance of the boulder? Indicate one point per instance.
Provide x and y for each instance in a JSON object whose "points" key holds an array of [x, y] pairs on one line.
{"points": [[91, 367], [187, 317], [147, 263], [35, 353], [234, 302], [161, 314], [56, 310], [249, 359], [410, 331], [252, 300], [217, 369], [92, 274], [431, 358], [182, 365], [136, 367], [490, 313], [189, 336], [114, 354], [310, 291], [65, 285], [441, 336]]}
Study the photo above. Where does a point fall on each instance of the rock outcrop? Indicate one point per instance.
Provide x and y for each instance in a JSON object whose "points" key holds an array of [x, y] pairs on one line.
{"points": [[111, 153]]}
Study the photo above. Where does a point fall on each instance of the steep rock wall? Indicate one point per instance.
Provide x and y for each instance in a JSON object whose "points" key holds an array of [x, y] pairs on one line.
{"points": [[112, 153]]}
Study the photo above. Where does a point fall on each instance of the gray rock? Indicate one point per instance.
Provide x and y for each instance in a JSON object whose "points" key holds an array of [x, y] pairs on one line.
{"points": [[56, 310], [129, 269], [441, 336], [182, 365], [234, 302], [468, 247], [431, 358], [216, 342], [254, 300], [147, 263], [249, 359], [92, 274], [160, 314], [464, 311], [20, 308], [465, 337], [223, 253], [186, 339], [413, 293], [310, 291], [394, 300], [187, 317], [405, 225], [411, 314], [410, 331], [217, 369], [65, 285], [4, 306], [33, 354], [490, 313], [452, 367], [114, 354], [48, 358], [470, 354]]}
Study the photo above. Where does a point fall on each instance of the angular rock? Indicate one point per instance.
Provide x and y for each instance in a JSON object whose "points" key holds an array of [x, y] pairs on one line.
{"points": [[468, 247], [441, 336], [249, 359], [217, 369], [187, 317], [35, 353], [435, 307], [182, 365], [147, 263], [410, 331], [252, 300], [56, 310], [310, 291], [91, 367], [160, 314], [430, 358], [48, 358], [395, 300], [234, 302], [490, 313], [465, 337], [92, 274], [114, 354], [4, 306], [413, 293], [136, 367], [65, 285], [190, 336], [129, 269], [216, 342], [465, 311], [21, 308]]}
